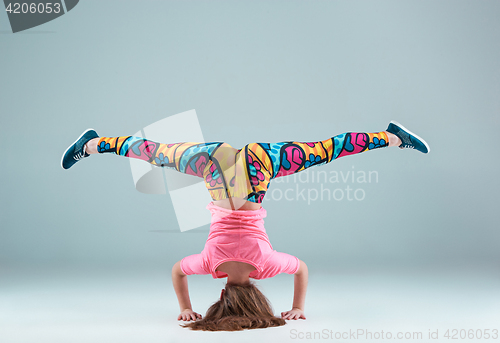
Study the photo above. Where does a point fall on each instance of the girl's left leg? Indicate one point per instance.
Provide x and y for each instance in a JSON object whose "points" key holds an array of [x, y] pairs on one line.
{"points": [[267, 161], [292, 157], [298, 156]]}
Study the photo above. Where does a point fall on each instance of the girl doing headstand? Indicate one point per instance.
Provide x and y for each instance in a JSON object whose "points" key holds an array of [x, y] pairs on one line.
{"points": [[237, 246]]}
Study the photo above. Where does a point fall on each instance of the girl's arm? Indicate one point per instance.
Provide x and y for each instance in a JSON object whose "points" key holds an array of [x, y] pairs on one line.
{"points": [[179, 279], [299, 294]]}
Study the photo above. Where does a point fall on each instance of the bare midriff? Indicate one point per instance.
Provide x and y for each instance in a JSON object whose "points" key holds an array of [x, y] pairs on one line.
{"points": [[235, 267], [237, 204]]}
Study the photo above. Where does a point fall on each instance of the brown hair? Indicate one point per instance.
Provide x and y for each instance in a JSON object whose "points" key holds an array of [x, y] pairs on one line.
{"points": [[240, 307]]}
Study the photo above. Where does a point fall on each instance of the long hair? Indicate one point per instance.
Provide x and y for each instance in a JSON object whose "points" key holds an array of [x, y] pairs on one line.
{"points": [[240, 307]]}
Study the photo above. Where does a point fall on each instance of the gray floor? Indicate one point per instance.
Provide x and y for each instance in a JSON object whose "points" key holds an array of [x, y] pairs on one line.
{"points": [[122, 306]]}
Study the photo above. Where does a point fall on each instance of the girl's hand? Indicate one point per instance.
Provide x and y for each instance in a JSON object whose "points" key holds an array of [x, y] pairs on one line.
{"points": [[188, 314], [294, 313]]}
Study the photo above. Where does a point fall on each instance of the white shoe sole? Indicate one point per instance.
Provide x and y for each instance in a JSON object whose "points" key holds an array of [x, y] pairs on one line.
{"points": [[65, 151], [411, 133]]}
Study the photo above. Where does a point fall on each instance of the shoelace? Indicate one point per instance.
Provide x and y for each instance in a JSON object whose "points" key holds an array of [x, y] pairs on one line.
{"points": [[407, 146], [78, 156]]}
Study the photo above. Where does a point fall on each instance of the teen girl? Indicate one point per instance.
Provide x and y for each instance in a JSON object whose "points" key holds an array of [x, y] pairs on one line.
{"points": [[237, 246]]}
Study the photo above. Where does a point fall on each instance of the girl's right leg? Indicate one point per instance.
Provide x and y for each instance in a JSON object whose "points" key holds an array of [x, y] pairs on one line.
{"points": [[186, 157], [210, 161]]}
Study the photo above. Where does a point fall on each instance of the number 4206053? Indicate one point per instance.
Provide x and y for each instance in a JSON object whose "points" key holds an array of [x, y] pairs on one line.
{"points": [[34, 8], [471, 334]]}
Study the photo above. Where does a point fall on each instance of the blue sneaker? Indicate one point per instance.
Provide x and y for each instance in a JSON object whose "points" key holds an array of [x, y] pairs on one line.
{"points": [[75, 151], [409, 140]]}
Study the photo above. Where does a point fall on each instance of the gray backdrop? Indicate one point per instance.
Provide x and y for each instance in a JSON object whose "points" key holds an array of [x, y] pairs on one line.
{"points": [[256, 71]]}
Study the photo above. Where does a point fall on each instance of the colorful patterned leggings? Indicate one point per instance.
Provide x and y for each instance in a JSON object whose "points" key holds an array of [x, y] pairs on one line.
{"points": [[242, 173]]}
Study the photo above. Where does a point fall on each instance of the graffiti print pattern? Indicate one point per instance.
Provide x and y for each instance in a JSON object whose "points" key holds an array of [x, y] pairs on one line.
{"points": [[242, 173]]}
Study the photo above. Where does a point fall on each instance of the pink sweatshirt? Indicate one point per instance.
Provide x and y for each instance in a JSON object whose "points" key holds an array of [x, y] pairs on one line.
{"points": [[239, 236]]}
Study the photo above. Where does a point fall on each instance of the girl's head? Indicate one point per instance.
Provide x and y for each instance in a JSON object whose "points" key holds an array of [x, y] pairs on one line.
{"points": [[240, 307]]}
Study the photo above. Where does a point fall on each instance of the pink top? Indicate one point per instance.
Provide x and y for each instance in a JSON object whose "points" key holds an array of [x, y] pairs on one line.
{"points": [[239, 236]]}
